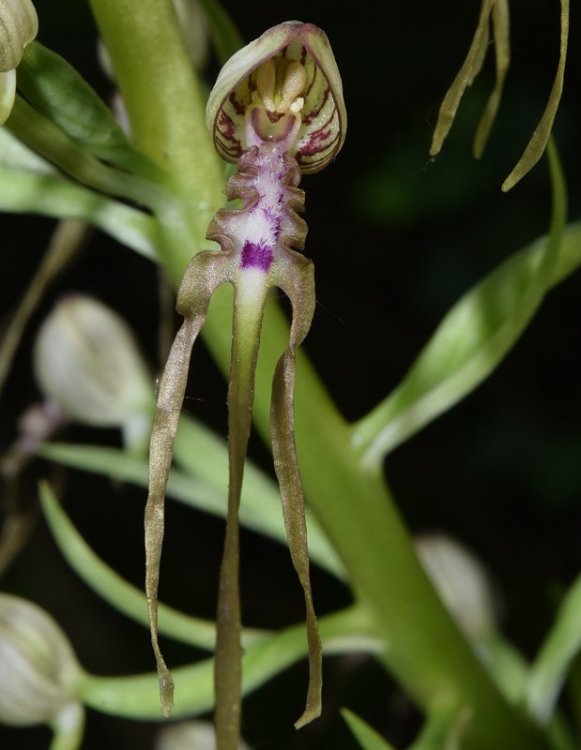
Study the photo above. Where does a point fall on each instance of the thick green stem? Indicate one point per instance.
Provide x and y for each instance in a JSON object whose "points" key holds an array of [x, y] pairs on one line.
{"points": [[423, 647], [165, 109]]}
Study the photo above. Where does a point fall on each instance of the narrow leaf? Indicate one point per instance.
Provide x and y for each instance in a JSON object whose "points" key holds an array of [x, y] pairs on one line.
{"points": [[465, 77], [540, 137], [52, 195], [120, 594], [41, 135], [204, 490], [444, 729], [559, 650], [204, 454], [507, 667], [367, 737], [298, 285], [136, 696], [472, 339], [59, 92]]}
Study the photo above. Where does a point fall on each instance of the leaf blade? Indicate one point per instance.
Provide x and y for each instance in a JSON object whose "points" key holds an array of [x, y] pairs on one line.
{"points": [[560, 647], [473, 337], [363, 733]]}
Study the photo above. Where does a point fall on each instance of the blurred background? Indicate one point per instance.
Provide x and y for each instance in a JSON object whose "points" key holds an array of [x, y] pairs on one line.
{"points": [[396, 238]]}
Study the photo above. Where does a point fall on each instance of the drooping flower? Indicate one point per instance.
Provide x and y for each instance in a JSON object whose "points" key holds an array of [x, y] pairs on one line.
{"points": [[18, 27], [276, 111]]}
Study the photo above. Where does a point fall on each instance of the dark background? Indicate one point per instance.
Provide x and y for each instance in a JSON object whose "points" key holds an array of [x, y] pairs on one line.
{"points": [[396, 238]]}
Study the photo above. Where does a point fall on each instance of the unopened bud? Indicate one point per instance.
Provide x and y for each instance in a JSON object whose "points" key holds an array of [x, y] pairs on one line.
{"points": [[86, 361], [39, 672]]}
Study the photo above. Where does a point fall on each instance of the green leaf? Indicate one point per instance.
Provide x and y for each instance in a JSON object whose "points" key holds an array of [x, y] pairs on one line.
{"points": [[204, 455], [137, 696], [204, 490], [474, 337], [507, 667], [119, 593], [14, 154], [53, 144], [443, 729], [364, 734], [560, 648], [55, 89], [25, 191], [30, 184]]}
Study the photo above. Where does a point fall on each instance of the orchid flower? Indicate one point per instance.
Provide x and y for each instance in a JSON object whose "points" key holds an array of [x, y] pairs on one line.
{"points": [[18, 27], [276, 111]]}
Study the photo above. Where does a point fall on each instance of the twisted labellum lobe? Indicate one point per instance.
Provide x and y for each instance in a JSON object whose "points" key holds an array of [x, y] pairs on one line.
{"points": [[276, 111]]}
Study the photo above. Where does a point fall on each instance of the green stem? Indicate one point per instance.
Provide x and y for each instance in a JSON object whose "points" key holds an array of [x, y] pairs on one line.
{"points": [[166, 110], [423, 647], [68, 728]]}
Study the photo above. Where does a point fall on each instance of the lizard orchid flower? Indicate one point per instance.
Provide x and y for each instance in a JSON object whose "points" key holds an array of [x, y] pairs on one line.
{"points": [[18, 27], [275, 111]]}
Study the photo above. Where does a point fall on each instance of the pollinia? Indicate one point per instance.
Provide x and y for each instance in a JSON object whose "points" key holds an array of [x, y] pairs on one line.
{"points": [[276, 112]]}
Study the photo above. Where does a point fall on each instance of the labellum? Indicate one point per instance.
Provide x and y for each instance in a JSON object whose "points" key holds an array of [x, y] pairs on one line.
{"points": [[276, 111]]}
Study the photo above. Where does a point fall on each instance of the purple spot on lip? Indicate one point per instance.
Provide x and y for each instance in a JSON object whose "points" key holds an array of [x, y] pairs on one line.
{"points": [[256, 256]]}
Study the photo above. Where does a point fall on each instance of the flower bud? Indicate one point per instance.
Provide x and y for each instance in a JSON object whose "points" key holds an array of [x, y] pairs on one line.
{"points": [[18, 27], [462, 582], [87, 362], [189, 735], [39, 672]]}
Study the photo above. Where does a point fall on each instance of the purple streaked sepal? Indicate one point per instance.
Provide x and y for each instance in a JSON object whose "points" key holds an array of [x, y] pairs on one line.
{"points": [[245, 85]]}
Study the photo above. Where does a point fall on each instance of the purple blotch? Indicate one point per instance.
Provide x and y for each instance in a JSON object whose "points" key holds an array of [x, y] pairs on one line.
{"points": [[256, 256]]}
